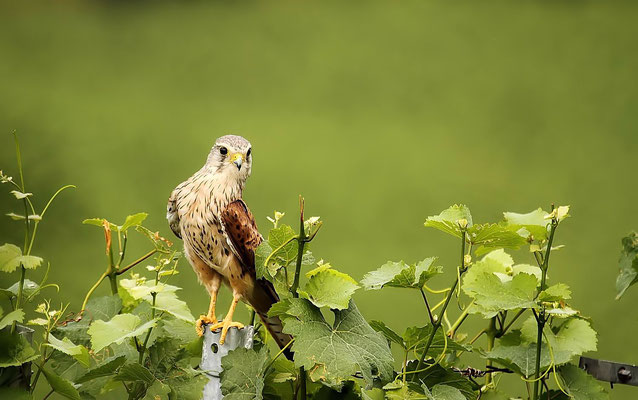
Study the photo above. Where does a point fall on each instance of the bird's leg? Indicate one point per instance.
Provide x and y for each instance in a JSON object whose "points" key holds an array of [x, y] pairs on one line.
{"points": [[210, 318], [228, 320]]}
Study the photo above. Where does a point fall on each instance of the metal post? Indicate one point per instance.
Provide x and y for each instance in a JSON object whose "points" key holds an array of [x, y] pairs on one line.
{"points": [[212, 354]]}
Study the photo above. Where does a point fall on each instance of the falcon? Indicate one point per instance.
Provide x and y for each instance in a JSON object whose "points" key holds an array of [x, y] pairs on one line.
{"points": [[220, 235]]}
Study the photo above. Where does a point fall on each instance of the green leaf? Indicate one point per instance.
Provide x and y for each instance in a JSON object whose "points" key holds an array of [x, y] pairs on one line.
{"points": [[491, 236], [168, 302], [517, 354], [580, 385], [276, 238], [13, 316], [66, 346], [438, 375], [20, 195], [398, 390], [99, 222], [119, 328], [261, 254], [29, 288], [372, 394], [134, 372], [107, 369], [399, 274], [133, 220], [241, 377], [327, 287], [60, 385], [332, 353], [104, 307], [557, 292], [496, 285], [391, 335], [448, 220], [157, 391], [628, 264], [416, 338], [14, 349], [165, 299], [573, 337], [533, 223], [11, 258], [445, 392]]}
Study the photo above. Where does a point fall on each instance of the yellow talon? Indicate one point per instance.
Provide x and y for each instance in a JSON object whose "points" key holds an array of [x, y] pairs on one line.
{"points": [[225, 325], [204, 320]]}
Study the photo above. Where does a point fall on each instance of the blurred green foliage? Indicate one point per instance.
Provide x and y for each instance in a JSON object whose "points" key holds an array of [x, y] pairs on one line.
{"points": [[379, 113]]}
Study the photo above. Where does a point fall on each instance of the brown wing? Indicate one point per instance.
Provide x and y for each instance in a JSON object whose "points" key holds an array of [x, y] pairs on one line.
{"points": [[241, 233]]}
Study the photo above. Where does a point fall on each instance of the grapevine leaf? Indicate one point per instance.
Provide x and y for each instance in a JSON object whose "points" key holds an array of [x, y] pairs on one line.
{"points": [[241, 376], [29, 288], [104, 307], [446, 392], [14, 349], [389, 334], [372, 394], [400, 274], [60, 385], [331, 354], [533, 223], [277, 237], [103, 370], [13, 316], [157, 391], [261, 254], [416, 338], [66, 346], [580, 385], [495, 284], [119, 328], [438, 375], [133, 220], [448, 220], [168, 302], [516, 354], [491, 236], [11, 258], [573, 337], [20, 195], [327, 287], [557, 292], [628, 264], [134, 372]]}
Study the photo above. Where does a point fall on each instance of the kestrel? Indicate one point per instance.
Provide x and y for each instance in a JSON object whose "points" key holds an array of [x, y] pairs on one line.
{"points": [[220, 234]]}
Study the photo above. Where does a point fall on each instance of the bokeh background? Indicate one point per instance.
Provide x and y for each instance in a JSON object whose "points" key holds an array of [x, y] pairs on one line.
{"points": [[379, 113]]}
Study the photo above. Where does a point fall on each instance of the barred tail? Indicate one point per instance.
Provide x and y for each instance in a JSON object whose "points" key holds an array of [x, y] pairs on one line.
{"points": [[263, 296]]}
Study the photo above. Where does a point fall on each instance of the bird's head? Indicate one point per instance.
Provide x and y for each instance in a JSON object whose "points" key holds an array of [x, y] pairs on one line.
{"points": [[232, 156]]}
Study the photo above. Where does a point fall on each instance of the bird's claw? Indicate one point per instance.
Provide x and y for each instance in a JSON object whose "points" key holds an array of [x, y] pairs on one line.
{"points": [[204, 320], [225, 325]]}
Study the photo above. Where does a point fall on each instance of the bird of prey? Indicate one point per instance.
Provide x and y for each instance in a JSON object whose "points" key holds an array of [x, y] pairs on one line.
{"points": [[220, 235]]}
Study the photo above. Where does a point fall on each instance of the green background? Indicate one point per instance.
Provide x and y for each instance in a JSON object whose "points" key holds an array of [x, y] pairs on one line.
{"points": [[379, 113]]}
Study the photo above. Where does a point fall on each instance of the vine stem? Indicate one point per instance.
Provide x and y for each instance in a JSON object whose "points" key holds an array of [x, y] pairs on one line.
{"points": [[301, 240], [460, 320], [427, 306], [437, 323], [540, 318]]}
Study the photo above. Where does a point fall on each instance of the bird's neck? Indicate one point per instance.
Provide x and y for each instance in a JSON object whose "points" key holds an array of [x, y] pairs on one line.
{"points": [[222, 187]]}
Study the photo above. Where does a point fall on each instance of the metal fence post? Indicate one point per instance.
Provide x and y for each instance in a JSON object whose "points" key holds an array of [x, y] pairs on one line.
{"points": [[212, 354]]}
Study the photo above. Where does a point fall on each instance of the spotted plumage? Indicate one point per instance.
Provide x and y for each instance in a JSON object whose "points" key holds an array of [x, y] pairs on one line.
{"points": [[220, 234]]}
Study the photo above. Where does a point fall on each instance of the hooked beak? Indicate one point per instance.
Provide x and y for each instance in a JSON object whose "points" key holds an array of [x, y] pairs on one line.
{"points": [[237, 159]]}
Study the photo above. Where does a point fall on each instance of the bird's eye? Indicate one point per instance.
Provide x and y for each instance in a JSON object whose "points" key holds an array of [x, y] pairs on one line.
{"points": [[223, 151], [248, 153]]}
